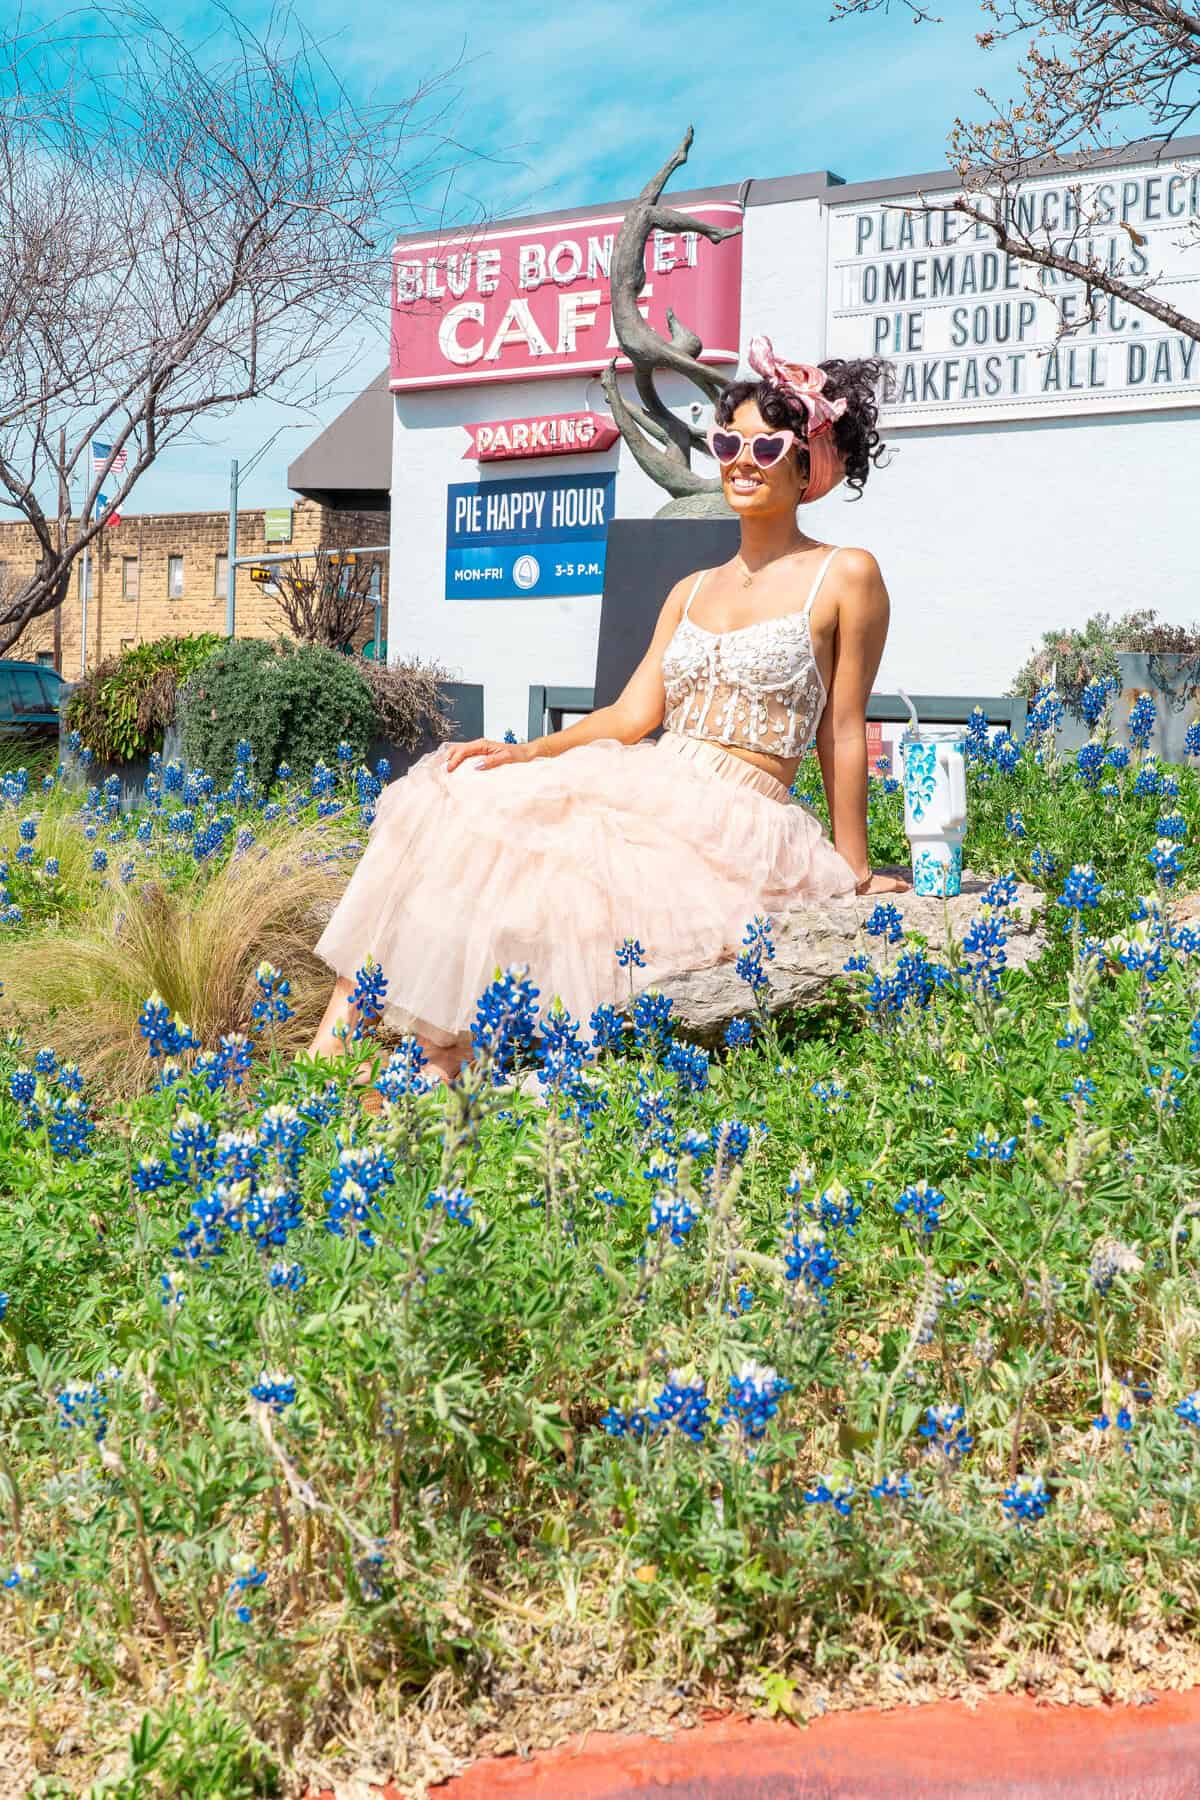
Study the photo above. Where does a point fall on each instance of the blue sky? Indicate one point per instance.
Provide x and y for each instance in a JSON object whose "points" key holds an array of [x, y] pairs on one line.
{"points": [[578, 102]]}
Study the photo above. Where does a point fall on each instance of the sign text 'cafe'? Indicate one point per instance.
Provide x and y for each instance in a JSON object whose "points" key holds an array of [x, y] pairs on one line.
{"points": [[534, 300]]}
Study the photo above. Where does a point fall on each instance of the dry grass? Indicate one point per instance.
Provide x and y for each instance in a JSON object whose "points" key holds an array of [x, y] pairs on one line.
{"points": [[81, 988]]}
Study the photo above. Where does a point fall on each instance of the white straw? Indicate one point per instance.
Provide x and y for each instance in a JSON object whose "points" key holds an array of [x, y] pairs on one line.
{"points": [[912, 712]]}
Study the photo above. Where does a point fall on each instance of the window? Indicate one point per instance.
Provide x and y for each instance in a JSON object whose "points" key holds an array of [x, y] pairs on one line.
{"points": [[221, 579], [129, 577], [26, 696], [46, 658], [174, 578]]}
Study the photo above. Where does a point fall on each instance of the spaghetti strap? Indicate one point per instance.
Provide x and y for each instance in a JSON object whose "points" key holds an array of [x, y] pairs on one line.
{"points": [[820, 578], [687, 605]]}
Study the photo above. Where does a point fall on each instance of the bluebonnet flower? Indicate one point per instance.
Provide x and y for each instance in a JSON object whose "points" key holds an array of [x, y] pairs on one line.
{"points": [[1164, 1097], [46, 1063], [505, 1019], [741, 1303], [608, 1197], [357, 1176], [454, 1203], [607, 1028], [1188, 1409], [82, 1406], [1006, 753], [283, 1130], [287, 1275], [1191, 739], [858, 964], [1026, 1499], [1043, 863], [689, 1064], [943, 1429], [51, 865], [682, 1403], [271, 1007], [652, 1022], [920, 1207], [731, 1138], [69, 1127], [324, 781], [830, 1490], [739, 1033], [1076, 1037], [976, 743], [985, 949], [835, 1208], [1082, 1088], [193, 1145], [367, 999], [630, 954], [830, 1093], [759, 946], [619, 1423], [21, 1574], [99, 861], [1149, 781], [1142, 716], [1109, 1259], [27, 830], [1166, 861], [989, 1146], [4, 1305], [1095, 698], [165, 1035], [1172, 825], [246, 1574], [1001, 892], [674, 1212], [1045, 712], [403, 1072], [1014, 823], [1118, 756], [173, 1289], [1089, 763], [383, 770], [149, 1174], [895, 1486], [274, 1389], [345, 752], [808, 1259], [885, 922], [1081, 889], [753, 1400], [24, 1086]]}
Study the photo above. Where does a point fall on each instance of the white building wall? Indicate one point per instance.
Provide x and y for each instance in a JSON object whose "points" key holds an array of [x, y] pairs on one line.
{"points": [[987, 534]]}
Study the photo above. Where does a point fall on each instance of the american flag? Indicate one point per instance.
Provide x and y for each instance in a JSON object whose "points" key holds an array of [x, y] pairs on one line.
{"points": [[100, 455]]}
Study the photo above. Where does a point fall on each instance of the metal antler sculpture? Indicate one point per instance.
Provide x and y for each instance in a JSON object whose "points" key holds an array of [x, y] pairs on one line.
{"points": [[661, 443]]}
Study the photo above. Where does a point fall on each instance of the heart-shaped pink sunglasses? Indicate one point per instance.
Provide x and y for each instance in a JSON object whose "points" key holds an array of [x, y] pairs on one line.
{"points": [[766, 447]]}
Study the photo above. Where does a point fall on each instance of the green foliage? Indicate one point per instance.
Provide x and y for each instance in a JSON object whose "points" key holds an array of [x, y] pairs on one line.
{"points": [[441, 1497], [123, 707], [294, 702]]}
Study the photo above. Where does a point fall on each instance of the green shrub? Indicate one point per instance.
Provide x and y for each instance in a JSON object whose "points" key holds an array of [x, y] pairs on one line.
{"points": [[1069, 659], [294, 702], [123, 708]]}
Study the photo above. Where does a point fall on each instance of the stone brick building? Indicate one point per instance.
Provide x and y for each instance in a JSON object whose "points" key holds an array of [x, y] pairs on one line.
{"points": [[157, 574]]}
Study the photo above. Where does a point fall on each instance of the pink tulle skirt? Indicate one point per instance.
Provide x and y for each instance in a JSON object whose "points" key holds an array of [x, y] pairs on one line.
{"points": [[554, 863]]}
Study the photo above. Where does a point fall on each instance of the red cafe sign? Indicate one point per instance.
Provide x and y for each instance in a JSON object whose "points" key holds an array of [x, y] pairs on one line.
{"points": [[533, 300], [558, 434]]}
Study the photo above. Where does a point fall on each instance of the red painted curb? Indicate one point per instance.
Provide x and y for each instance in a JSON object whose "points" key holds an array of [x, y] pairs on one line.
{"points": [[1006, 1749]]}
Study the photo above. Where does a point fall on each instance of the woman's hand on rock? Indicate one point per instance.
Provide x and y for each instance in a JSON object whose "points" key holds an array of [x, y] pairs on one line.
{"points": [[883, 884], [490, 753]]}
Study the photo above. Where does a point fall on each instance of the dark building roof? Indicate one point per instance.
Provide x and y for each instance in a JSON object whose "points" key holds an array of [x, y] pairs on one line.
{"points": [[349, 467]]}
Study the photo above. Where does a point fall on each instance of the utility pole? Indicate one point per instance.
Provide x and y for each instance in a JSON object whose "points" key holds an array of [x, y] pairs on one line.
{"points": [[231, 559], [64, 526]]}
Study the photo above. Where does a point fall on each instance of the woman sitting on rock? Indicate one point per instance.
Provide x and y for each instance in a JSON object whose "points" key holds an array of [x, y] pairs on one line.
{"points": [[552, 853]]}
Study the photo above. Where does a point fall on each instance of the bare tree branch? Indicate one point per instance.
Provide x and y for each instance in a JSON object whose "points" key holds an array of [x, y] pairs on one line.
{"points": [[184, 230]]}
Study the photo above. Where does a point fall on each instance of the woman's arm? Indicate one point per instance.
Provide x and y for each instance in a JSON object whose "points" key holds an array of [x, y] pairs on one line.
{"points": [[862, 625], [636, 711]]}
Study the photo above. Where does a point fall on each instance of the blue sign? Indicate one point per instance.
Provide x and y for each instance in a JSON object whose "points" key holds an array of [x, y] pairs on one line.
{"points": [[527, 539]]}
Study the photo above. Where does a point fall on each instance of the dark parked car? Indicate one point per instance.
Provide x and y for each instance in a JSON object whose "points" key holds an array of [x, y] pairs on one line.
{"points": [[30, 694]]}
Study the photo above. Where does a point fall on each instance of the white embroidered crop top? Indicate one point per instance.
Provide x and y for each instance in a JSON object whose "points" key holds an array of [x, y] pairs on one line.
{"points": [[757, 688]]}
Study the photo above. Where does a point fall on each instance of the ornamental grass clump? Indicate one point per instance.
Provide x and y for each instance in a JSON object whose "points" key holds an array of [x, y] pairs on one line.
{"points": [[858, 1347]]}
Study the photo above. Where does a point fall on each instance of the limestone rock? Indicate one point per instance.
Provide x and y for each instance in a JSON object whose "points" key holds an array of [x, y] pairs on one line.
{"points": [[813, 942]]}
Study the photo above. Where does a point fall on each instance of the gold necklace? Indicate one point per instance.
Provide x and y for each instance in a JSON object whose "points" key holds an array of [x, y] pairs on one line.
{"points": [[747, 574]]}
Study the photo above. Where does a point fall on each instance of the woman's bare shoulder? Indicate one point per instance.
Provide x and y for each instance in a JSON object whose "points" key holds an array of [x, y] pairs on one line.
{"points": [[857, 568]]}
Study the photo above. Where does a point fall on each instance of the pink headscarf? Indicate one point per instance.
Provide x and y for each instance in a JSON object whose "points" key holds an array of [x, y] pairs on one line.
{"points": [[802, 383]]}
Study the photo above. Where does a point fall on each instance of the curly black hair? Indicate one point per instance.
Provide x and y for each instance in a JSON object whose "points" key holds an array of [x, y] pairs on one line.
{"points": [[862, 383]]}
